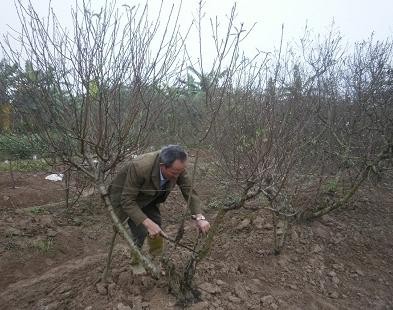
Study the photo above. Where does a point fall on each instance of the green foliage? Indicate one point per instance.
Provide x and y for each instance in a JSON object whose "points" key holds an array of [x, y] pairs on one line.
{"points": [[331, 186], [37, 210], [223, 203], [205, 81], [25, 165], [7, 80], [14, 147]]}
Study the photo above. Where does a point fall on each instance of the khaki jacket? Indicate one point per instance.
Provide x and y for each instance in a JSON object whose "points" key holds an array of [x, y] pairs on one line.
{"points": [[138, 184]]}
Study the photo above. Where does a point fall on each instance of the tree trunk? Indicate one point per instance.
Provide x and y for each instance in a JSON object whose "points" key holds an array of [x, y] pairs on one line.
{"points": [[149, 266], [104, 277], [12, 175]]}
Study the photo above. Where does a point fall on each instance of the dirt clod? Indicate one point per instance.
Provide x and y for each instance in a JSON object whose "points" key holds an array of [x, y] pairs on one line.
{"points": [[243, 224], [121, 306], [102, 288], [210, 288], [267, 300], [240, 291]]}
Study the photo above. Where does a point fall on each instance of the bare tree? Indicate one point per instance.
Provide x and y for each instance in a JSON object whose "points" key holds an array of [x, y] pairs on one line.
{"points": [[101, 93], [296, 132], [197, 108]]}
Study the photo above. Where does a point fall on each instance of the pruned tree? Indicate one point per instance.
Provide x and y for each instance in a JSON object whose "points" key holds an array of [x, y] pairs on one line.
{"points": [[199, 102], [303, 135], [95, 89]]}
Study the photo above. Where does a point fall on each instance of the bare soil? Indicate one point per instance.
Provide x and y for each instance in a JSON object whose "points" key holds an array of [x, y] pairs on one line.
{"points": [[51, 257]]}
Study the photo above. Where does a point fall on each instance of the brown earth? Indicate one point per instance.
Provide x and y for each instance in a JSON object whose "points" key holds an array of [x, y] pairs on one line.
{"points": [[31, 189], [51, 257]]}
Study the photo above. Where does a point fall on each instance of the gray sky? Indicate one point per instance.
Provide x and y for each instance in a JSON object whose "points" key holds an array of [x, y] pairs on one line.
{"points": [[356, 19]]}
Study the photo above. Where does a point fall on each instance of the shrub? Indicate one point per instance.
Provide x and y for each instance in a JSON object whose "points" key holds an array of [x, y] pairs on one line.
{"points": [[14, 147]]}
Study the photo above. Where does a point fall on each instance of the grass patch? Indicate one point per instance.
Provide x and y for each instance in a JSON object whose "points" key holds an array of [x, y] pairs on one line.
{"points": [[331, 186], [25, 165], [44, 246], [37, 210]]}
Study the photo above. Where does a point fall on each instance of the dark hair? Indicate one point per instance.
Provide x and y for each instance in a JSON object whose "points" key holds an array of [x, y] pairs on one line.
{"points": [[170, 153]]}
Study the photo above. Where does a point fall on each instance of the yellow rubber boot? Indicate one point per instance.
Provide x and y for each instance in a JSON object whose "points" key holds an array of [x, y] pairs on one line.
{"points": [[136, 266], [156, 246], [135, 260]]}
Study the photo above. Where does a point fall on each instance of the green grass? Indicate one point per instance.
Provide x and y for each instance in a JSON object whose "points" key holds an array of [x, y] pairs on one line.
{"points": [[44, 246], [331, 186], [37, 210], [25, 165]]}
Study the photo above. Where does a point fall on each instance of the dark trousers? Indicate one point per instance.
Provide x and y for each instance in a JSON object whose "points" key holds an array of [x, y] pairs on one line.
{"points": [[139, 232]]}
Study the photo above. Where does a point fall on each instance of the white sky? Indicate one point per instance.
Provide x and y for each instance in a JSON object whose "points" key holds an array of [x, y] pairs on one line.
{"points": [[356, 19]]}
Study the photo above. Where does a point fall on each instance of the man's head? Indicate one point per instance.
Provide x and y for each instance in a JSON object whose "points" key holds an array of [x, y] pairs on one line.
{"points": [[173, 160]]}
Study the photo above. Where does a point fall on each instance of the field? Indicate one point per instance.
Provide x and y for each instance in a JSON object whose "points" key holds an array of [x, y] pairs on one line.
{"points": [[293, 144], [52, 257]]}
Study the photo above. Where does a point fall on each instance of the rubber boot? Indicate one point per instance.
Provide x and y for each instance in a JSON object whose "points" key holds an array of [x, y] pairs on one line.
{"points": [[135, 260], [136, 266], [156, 247]]}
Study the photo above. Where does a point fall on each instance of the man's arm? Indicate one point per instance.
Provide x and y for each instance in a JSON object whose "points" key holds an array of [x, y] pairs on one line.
{"points": [[184, 183]]}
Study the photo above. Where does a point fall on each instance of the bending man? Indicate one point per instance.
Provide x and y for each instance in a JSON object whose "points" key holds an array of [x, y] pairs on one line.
{"points": [[144, 183]]}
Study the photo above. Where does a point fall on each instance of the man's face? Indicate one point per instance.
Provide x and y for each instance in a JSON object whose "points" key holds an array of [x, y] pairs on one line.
{"points": [[173, 172]]}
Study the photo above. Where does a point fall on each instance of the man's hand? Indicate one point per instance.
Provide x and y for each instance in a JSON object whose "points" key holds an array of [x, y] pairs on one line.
{"points": [[201, 223], [203, 226], [152, 228]]}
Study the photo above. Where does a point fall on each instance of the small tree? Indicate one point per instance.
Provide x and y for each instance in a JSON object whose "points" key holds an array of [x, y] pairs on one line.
{"points": [[99, 100]]}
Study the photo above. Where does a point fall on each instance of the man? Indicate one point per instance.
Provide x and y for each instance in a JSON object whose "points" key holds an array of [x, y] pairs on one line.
{"points": [[140, 187]]}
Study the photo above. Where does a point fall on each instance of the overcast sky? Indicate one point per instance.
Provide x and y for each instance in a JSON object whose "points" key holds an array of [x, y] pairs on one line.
{"points": [[356, 19]]}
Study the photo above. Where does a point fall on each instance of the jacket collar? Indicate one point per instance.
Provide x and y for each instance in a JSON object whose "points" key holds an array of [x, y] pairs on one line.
{"points": [[155, 174]]}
